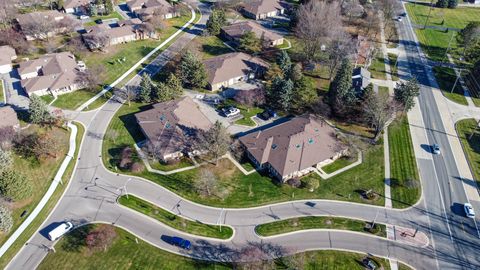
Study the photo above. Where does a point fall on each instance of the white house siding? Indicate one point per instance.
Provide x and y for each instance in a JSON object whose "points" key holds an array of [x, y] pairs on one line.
{"points": [[70, 10], [42, 92], [5, 69], [232, 81]]}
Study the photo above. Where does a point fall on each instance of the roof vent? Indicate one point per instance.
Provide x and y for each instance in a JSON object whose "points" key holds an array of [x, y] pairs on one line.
{"points": [[298, 145], [274, 146], [310, 141]]}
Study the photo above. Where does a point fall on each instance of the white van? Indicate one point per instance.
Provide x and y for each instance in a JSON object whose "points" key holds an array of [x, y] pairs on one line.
{"points": [[60, 230]]}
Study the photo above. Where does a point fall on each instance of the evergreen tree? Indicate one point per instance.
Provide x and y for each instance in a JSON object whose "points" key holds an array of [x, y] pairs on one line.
{"points": [[60, 4], [342, 94], [250, 43], [92, 9], [108, 6], [405, 93], [175, 86], [146, 87], [452, 3], [14, 185], [304, 94], [442, 3], [282, 92], [192, 70], [38, 109], [216, 21], [284, 62]]}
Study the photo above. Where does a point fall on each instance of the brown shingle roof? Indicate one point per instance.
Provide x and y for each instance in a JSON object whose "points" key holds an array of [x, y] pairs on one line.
{"points": [[231, 65], [75, 3], [7, 54], [173, 124], [258, 7], [294, 145], [237, 30], [136, 4], [125, 28], [8, 117], [23, 19]]}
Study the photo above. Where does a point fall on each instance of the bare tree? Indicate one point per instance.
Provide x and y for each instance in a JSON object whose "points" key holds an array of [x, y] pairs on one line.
{"points": [[68, 25], [206, 183], [8, 12], [378, 109], [340, 46], [16, 40], [216, 141], [91, 77], [317, 21], [39, 27], [96, 40], [126, 93]]}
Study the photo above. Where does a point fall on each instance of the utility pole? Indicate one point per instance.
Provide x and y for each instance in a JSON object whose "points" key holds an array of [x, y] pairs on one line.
{"points": [[456, 81], [428, 17], [449, 45], [475, 130]]}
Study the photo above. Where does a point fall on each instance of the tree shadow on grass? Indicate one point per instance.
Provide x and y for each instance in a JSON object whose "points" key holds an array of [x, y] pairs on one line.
{"points": [[75, 240]]}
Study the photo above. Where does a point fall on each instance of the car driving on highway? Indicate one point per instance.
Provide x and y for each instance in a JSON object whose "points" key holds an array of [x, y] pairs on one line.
{"points": [[435, 149], [469, 210]]}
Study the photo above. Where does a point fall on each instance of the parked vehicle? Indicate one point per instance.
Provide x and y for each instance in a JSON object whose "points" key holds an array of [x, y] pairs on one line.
{"points": [[267, 114], [60, 230], [436, 149], [83, 17], [230, 111], [180, 242], [469, 210], [403, 14]]}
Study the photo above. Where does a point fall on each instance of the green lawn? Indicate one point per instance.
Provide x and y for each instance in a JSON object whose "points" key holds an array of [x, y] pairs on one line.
{"points": [[383, 90], [110, 16], [454, 18], [377, 68], [392, 60], [471, 144], [318, 222], [446, 78], [435, 43], [48, 207], [246, 111], [338, 164], [125, 253], [47, 98], [184, 162], [248, 190], [211, 46], [73, 100], [2, 96], [174, 221], [405, 184]]}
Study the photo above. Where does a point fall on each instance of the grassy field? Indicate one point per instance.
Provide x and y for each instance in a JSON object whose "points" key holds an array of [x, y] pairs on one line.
{"points": [[110, 16], [405, 184], [71, 101], [435, 43], [471, 144], [211, 46], [392, 60], [377, 68], [318, 222], [2, 96], [246, 111], [338, 164], [184, 162], [446, 78], [174, 221], [46, 210], [453, 18], [125, 253], [254, 189]]}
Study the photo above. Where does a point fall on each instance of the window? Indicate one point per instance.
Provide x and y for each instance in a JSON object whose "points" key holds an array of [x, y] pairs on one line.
{"points": [[310, 141], [162, 118], [167, 125], [274, 146]]}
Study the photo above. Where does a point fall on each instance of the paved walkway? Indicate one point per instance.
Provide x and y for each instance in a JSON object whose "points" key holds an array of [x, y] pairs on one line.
{"points": [[325, 175]]}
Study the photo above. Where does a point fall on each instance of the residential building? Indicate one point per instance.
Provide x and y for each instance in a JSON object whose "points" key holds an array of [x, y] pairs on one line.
{"points": [[262, 9], [103, 35], [293, 148], [360, 79], [235, 31], [53, 74], [76, 6], [147, 8], [231, 68], [8, 118], [7, 55], [51, 17], [172, 127]]}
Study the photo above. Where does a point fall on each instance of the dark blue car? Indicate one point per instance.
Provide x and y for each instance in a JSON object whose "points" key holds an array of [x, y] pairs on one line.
{"points": [[177, 241]]}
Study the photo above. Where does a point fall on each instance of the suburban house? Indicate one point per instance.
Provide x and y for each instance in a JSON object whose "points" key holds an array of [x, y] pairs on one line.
{"points": [[262, 9], [146, 8], [360, 79], [76, 6], [50, 74], [365, 51], [7, 55], [173, 126], [8, 118], [235, 31], [26, 21], [231, 68], [103, 35], [293, 148]]}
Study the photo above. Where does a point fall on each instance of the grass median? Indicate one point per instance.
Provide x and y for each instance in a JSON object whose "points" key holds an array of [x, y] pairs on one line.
{"points": [[469, 134], [23, 238], [174, 221], [319, 222], [446, 79], [404, 179]]}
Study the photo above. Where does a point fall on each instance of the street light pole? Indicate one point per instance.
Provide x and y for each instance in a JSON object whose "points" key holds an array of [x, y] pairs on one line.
{"points": [[428, 17]]}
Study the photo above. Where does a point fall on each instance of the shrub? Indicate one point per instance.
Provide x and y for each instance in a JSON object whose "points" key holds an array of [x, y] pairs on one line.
{"points": [[126, 158], [6, 221], [14, 185], [101, 237], [137, 167], [294, 182], [311, 183]]}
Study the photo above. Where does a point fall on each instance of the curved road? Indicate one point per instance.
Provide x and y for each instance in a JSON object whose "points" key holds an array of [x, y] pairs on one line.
{"points": [[92, 193]]}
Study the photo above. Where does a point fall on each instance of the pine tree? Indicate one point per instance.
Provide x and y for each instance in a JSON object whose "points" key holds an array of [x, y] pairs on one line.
{"points": [[38, 109], [146, 86], [304, 95], [250, 43], [442, 3], [175, 86], [405, 93], [452, 3], [108, 6], [342, 94], [284, 62], [216, 21], [192, 70], [93, 11], [282, 92]]}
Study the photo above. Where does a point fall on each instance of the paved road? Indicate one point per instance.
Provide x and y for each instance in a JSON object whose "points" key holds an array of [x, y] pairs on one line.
{"points": [[92, 193]]}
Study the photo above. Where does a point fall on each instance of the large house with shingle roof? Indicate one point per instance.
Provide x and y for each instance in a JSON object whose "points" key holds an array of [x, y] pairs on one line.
{"points": [[76, 6], [7, 55], [147, 8], [25, 21], [293, 148], [50, 74], [262, 9], [231, 68], [236, 31], [172, 127]]}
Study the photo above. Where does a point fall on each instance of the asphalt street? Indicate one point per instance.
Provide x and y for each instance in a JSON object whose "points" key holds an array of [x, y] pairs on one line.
{"points": [[92, 193]]}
